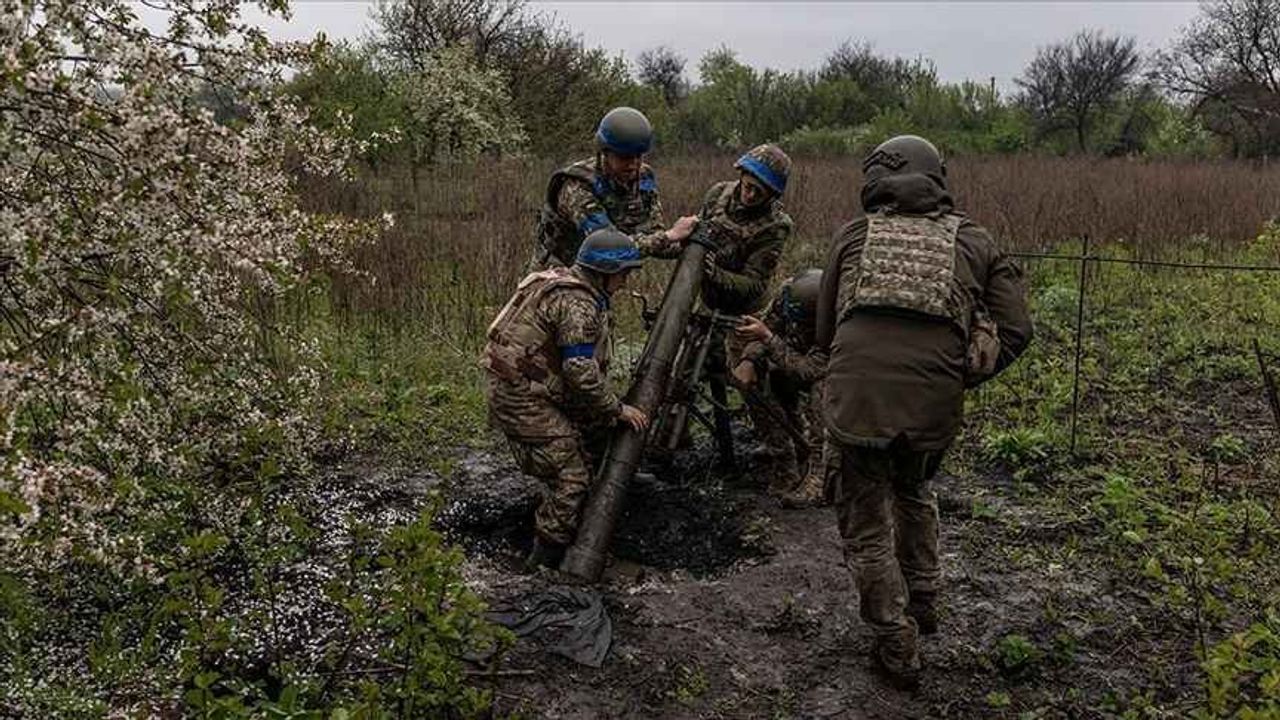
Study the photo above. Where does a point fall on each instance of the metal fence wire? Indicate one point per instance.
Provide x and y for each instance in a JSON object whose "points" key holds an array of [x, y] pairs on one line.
{"points": [[1090, 273]]}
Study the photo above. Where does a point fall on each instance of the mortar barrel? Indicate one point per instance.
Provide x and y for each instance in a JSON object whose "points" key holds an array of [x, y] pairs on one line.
{"points": [[585, 559]]}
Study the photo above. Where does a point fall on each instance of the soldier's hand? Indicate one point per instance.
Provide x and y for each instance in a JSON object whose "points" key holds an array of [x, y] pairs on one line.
{"points": [[682, 229], [745, 373], [752, 328], [635, 417]]}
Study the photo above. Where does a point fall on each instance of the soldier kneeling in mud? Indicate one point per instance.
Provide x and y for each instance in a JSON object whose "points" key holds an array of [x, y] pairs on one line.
{"points": [[547, 357], [917, 303], [781, 374]]}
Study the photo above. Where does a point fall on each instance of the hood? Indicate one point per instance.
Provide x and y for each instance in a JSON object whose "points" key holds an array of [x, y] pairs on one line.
{"points": [[911, 193]]}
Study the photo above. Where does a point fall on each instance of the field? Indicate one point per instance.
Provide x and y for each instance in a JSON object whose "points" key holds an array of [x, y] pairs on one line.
{"points": [[1134, 576], [1109, 536]]}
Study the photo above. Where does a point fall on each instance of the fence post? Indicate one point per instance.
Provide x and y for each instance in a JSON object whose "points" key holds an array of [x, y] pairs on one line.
{"points": [[1075, 383], [1268, 383]]}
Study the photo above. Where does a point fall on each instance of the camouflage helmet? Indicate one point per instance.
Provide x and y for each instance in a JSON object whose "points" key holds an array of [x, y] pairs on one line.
{"points": [[768, 164], [625, 131], [902, 155], [800, 295], [608, 251]]}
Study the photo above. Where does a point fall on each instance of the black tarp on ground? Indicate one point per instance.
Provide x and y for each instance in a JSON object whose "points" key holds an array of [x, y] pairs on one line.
{"points": [[571, 622]]}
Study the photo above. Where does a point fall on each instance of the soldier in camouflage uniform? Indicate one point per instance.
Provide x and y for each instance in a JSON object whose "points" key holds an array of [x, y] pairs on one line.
{"points": [[745, 220], [917, 303], [614, 190], [783, 373], [547, 358]]}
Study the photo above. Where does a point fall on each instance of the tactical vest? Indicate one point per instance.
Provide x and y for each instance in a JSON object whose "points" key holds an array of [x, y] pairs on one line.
{"points": [[519, 350], [908, 263], [734, 241], [560, 238]]}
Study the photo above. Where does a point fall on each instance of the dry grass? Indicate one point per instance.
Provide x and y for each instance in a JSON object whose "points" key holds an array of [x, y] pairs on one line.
{"points": [[464, 233]]}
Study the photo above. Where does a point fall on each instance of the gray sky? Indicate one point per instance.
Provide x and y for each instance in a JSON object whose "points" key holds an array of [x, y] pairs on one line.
{"points": [[966, 40]]}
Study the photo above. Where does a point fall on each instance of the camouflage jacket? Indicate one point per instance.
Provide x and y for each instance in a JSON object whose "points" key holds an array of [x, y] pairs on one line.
{"points": [[750, 240], [791, 349], [581, 200], [547, 357]]}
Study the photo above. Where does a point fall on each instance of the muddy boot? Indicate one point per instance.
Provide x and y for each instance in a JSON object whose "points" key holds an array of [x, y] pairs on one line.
{"points": [[899, 660], [544, 554], [809, 493], [923, 608]]}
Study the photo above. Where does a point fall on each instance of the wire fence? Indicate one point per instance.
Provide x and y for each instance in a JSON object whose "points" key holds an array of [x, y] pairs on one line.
{"points": [[1088, 265]]}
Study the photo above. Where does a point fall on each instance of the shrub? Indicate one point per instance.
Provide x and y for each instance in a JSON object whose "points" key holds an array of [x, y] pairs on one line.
{"points": [[156, 434]]}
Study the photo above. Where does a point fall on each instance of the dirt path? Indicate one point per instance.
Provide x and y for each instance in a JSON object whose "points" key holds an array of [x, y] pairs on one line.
{"points": [[1032, 625]]}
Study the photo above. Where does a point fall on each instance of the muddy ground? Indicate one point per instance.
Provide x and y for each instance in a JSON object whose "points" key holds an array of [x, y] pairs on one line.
{"points": [[724, 605]]}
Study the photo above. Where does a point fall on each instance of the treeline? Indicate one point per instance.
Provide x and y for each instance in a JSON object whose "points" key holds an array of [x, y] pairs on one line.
{"points": [[438, 79]]}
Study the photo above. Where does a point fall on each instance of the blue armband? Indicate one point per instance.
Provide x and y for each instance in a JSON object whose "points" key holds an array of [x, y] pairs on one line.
{"points": [[580, 350], [594, 221]]}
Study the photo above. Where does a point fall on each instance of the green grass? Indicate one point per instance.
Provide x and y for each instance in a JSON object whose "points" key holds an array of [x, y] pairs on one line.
{"points": [[1175, 471]]}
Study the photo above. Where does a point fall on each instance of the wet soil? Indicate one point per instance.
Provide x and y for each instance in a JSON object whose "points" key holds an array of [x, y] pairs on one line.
{"points": [[724, 605]]}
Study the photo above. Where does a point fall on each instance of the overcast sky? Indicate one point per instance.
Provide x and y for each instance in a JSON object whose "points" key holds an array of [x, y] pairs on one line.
{"points": [[966, 40]]}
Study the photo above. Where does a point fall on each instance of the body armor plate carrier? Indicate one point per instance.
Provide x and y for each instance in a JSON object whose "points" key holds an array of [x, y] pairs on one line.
{"points": [[519, 350], [908, 263], [559, 238]]}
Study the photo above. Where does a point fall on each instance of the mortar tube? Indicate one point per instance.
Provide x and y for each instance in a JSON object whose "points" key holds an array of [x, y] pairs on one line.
{"points": [[585, 559]]}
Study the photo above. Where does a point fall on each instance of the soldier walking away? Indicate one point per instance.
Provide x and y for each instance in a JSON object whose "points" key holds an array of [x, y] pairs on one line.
{"points": [[916, 304], [781, 373], [547, 358], [614, 190]]}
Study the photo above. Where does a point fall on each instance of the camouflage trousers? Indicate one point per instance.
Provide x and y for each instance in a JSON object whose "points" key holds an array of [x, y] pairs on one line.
{"points": [[776, 398], [564, 467], [888, 517]]}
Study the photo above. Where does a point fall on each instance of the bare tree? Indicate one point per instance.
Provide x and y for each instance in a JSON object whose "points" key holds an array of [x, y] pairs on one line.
{"points": [[1227, 62], [885, 80], [1069, 83], [663, 68], [411, 32]]}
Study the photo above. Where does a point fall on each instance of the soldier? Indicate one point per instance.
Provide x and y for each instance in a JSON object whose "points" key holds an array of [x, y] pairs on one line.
{"points": [[614, 190], [547, 356], [745, 219], [916, 304], [782, 374]]}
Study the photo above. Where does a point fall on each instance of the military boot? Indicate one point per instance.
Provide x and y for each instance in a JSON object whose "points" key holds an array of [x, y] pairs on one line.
{"points": [[810, 492], [923, 608], [544, 554], [898, 658]]}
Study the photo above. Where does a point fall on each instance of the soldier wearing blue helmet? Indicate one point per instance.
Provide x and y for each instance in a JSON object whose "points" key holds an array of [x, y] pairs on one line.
{"points": [[547, 358], [614, 190]]}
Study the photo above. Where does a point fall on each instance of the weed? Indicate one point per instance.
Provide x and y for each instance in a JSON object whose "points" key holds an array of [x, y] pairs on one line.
{"points": [[1021, 450], [1228, 448], [1017, 657], [998, 699], [690, 684], [1242, 673]]}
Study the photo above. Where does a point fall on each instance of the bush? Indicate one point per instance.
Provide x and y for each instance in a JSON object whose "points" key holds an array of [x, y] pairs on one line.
{"points": [[157, 525]]}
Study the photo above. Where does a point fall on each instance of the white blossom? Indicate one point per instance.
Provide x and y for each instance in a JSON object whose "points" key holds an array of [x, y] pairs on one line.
{"points": [[144, 249]]}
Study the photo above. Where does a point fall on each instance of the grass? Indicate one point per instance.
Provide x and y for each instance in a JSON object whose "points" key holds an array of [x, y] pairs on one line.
{"points": [[1175, 481]]}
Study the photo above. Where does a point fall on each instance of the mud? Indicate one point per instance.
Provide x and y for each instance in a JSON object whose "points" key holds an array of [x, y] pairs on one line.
{"points": [[726, 606], [678, 515]]}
